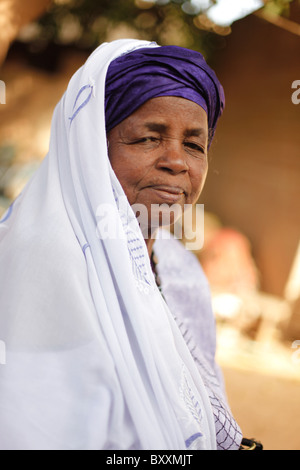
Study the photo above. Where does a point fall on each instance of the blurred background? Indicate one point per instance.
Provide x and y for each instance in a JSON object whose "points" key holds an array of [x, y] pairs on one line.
{"points": [[251, 253]]}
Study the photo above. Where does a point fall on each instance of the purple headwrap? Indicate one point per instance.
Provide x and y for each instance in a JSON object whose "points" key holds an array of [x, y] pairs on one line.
{"points": [[136, 77]]}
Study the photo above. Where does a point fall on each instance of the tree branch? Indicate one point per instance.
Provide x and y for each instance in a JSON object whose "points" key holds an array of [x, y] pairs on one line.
{"points": [[280, 21]]}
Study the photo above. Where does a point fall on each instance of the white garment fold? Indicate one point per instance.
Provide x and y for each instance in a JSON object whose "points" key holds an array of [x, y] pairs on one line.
{"points": [[94, 358]]}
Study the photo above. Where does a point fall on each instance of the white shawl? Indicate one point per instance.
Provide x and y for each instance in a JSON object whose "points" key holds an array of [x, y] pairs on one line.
{"points": [[94, 358]]}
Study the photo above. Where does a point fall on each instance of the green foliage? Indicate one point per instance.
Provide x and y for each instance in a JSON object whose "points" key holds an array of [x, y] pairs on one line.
{"points": [[91, 21], [87, 23], [278, 7]]}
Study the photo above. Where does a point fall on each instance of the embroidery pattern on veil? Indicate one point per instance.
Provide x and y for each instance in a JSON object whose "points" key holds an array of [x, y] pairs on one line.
{"points": [[136, 251], [194, 409]]}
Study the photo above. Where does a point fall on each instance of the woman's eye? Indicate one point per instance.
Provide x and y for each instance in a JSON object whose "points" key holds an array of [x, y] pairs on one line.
{"points": [[146, 140], [195, 147]]}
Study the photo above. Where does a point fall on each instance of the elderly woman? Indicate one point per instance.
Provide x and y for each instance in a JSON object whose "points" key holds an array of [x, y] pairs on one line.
{"points": [[97, 357]]}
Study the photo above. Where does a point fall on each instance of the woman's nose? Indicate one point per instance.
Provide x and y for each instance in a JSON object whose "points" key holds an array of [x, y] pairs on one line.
{"points": [[172, 159]]}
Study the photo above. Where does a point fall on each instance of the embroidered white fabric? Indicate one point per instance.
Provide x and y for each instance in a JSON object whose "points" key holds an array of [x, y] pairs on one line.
{"points": [[94, 358], [187, 292]]}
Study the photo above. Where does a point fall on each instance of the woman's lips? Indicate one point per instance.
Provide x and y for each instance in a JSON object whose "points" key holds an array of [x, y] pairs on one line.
{"points": [[168, 193]]}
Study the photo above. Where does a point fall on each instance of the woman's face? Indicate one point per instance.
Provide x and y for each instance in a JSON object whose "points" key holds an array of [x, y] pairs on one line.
{"points": [[159, 153]]}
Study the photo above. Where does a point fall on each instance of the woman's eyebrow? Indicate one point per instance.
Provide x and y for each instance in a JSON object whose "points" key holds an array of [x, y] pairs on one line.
{"points": [[156, 126], [196, 132], [160, 127]]}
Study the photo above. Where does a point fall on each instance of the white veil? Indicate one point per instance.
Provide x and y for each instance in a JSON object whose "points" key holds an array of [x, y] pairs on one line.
{"points": [[94, 359]]}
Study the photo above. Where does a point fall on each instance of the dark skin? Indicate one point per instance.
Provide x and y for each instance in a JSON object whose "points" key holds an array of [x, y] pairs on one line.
{"points": [[159, 154]]}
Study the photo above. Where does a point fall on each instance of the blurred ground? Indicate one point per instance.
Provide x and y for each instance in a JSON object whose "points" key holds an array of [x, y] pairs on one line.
{"points": [[266, 408], [262, 383]]}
